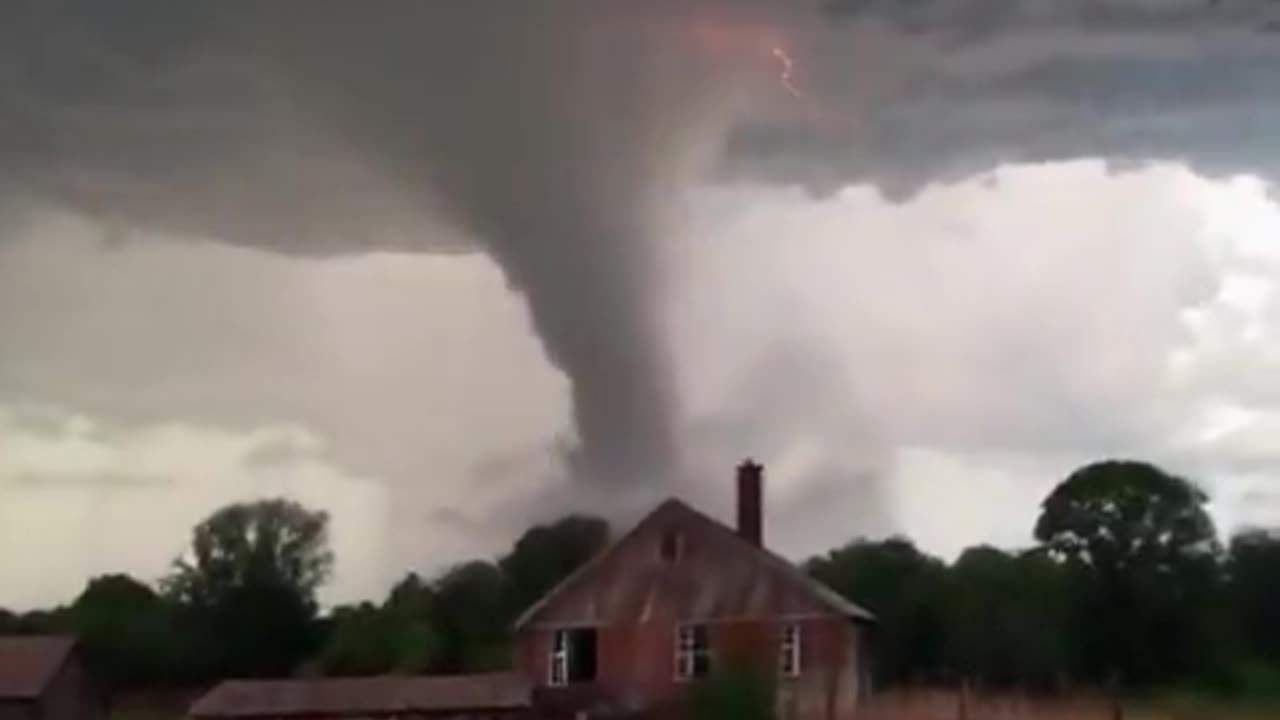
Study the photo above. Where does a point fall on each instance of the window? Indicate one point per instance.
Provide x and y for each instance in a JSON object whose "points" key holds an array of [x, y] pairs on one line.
{"points": [[671, 546], [790, 659], [573, 657], [560, 659], [693, 652]]}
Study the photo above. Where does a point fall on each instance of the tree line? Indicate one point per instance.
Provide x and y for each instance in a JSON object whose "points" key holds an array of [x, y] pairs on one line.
{"points": [[1128, 584], [242, 602]]}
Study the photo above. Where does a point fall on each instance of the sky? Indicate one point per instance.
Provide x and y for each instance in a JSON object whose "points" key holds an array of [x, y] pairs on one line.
{"points": [[446, 283]]}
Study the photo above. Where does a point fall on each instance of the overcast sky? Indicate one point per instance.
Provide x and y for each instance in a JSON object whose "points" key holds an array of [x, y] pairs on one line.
{"points": [[984, 247]]}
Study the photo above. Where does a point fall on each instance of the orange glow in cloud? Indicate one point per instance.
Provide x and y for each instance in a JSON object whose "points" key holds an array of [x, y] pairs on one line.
{"points": [[761, 47], [743, 41]]}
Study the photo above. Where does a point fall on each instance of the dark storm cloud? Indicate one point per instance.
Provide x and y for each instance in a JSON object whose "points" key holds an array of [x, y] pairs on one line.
{"points": [[557, 134], [961, 86], [988, 15], [553, 134]]}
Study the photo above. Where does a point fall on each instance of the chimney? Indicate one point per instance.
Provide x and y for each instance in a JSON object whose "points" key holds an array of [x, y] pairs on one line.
{"points": [[751, 502]]}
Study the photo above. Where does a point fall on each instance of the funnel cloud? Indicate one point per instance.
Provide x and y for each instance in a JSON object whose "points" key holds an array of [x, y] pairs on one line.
{"points": [[555, 135], [563, 139]]}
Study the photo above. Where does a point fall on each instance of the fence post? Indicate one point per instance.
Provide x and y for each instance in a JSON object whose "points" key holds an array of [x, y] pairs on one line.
{"points": [[962, 701]]}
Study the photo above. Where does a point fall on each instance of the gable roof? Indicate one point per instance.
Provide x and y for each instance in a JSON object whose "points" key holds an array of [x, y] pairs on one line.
{"points": [[28, 663], [363, 696], [718, 576]]}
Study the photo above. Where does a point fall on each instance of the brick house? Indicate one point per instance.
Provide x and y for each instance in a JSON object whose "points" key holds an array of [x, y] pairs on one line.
{"points": [[41, 679], [681, 594], [668, 603]]}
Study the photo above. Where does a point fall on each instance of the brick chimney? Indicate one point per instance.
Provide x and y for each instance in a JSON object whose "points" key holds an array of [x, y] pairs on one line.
{"points": [[751, 502]]}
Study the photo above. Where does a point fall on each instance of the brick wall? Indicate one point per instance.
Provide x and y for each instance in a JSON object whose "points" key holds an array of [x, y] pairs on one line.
{"points": [[637, 662]]}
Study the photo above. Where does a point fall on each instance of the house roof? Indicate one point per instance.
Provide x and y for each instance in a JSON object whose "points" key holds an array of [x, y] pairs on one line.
{"points": [[28, 663], [718, 576], [379, 695]]}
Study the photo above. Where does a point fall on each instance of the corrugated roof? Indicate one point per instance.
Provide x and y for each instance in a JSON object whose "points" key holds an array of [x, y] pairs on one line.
{"points": [[28, 663], [719, 575], [379, 695]]}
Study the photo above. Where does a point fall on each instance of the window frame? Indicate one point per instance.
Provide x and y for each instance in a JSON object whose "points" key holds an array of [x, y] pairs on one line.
{"points": [[688, 653], [790, 651], [571, 662], [558, 665]]}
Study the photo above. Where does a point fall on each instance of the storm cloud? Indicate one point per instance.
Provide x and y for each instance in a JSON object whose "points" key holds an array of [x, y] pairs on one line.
{"points": [[553, 135], [909, 93], [560, 137]]}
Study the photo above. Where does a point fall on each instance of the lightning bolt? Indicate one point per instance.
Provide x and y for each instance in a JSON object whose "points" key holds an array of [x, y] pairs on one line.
{"points": [[788, 71]]}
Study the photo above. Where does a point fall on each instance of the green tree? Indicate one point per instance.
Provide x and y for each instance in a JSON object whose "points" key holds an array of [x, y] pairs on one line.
{"points": [[44, 621], [411, 605], [546, 554], [473, 618], [247, 586], [356, 643], [1146, 553], [397, 637], [1253, 571], [126, 633], [1006, 619], [904, 588]]}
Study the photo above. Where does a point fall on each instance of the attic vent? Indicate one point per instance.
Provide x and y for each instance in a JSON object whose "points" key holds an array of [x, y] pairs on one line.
{"points": [[671, 547]]}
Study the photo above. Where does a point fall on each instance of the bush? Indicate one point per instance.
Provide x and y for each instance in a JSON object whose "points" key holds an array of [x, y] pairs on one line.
{"points": [[737, 692]]}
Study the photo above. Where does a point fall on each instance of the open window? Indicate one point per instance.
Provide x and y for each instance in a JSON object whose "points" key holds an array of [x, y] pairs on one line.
{"points": [[693, 652], [573, 657]]}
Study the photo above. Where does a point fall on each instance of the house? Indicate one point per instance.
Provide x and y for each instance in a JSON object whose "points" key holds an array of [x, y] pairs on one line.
{"points": [[682, 594], [667, 604], [41, 679]]}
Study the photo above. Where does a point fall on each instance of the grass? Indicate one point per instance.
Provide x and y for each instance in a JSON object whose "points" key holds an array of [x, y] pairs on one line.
{"points": [[1255, 696], [944, 705], [1191, 707]]}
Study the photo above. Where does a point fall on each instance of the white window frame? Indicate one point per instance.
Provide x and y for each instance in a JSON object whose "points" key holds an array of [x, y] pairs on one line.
{"points": [[789, 648], [558, 667], [688, 652]]}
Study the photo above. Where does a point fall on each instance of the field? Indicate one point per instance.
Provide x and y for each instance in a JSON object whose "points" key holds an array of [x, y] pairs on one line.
{"points": [[948, 706]]}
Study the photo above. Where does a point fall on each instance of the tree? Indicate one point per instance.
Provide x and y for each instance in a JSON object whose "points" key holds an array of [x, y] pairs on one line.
{"points": [[546, 554], [473, 618], [1253, 571], [396, 637], [411, 605], [1006, 617], [248, 586], [1146, 552], [42, 621], [126, 633], [903, 588]]}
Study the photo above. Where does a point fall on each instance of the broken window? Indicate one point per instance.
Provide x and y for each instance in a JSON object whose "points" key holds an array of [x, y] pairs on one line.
{"points": [[693, 652], [790, 659], [573, 657]]}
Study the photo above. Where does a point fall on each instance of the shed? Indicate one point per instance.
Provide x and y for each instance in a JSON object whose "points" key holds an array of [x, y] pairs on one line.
{"points": [[41, 679], [490, 695]]}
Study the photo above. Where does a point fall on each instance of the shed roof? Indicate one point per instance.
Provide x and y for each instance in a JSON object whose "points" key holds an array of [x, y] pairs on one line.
{"points": [[28, 663], [363, 696], [718, 576]]}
